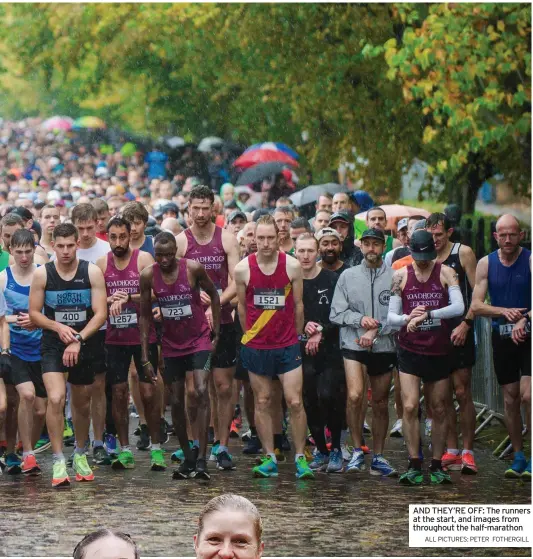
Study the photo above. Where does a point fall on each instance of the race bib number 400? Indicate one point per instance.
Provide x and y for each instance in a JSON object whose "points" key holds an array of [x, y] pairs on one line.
{"points": [[70, 315], [269, 299], [430, 324], [126, 319], [176, 312]]}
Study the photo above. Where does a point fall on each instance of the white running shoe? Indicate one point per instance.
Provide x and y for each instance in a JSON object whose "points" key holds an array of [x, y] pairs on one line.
{"points": [[396, 430]]}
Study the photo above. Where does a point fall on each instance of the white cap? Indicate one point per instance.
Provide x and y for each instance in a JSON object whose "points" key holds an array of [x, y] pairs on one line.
{"points": [[402, 223], [53, 196]]}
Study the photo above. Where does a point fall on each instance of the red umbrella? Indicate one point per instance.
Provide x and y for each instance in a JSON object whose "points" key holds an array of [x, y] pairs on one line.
{"points": [[263, 156]]}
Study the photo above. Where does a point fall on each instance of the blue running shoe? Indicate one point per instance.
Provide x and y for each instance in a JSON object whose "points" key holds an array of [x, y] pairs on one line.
{"points": [[252, 446], [336, 463], [320, 462], [214, 452], [267, 468], [13, 464], [357, 462], [303, 471], [110, 444], [518, 466], [381, 467], [526, 474]]}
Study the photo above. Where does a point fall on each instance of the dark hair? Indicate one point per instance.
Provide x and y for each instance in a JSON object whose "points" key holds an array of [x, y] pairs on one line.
{"points": [[65, 230], [202, 192], [165, 238], [84, 212], [22, 237], [118, 222], [12, 219], [79, 550], [300, 222], [134, 211], [376, 208], [284, 210], [99, 205], [438, 219]]}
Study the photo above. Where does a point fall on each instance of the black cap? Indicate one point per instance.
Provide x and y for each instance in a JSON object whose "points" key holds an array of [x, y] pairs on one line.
{"points": [[235, 215], [453, 212], [341, 216], [422, 245], [23, 212], [170, 207], [258, 213], [373, 234]]}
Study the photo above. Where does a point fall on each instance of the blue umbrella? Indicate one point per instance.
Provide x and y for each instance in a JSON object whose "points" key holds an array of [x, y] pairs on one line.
{"points": [[275, 146]]}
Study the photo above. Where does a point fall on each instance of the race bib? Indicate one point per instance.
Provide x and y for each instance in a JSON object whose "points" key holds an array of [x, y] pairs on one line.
{"points": [[126, 319], [176, 311], [430, 324], [14, 326], [506, 330], [269, 299], [71, 315]]}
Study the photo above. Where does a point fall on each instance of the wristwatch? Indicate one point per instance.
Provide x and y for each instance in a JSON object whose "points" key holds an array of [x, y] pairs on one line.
{"points": [[468, 322], [79, 338], [6, 351]]}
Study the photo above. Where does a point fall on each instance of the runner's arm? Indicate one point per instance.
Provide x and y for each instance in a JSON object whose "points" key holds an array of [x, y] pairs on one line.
{"points": [[240, 284], [297, 292], [205, 283], [340, 312], [3, 323], [98, 302], [10, 318], [181, 244], [395, 317], [468, 262], [231, 246], [146, 316]]}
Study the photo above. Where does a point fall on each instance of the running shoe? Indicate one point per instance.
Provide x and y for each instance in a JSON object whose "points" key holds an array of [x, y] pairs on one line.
{"points": [[357, 463], [303, 471], [382, 467], [137, 431], [308, 454], [42, 444], [164, 437], [252, 446], [451, 462], [224, 461], [82, 468], [428, 424], [336, 463], [214, 451], [280, 457], [124, 461], [234, 430], [100, 456], [526, 474], [179, 455], [319, 462], [13, 464], [68, 433], [30, 467], [111, 445], [468, 464], [157, 461], [201, 471], [245, 437], [396, 430], [144, 442], [346, 452], [185, 471], [517, 468], [267, 468], [366, 429], [285, 444], [437, 477], [366, 449], [60, 476], [412, 477]]}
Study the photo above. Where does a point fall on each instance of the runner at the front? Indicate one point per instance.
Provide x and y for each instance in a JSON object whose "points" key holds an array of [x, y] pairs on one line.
{"points": [[269, 290], [425, 295], [73, 294], [186, 344]]}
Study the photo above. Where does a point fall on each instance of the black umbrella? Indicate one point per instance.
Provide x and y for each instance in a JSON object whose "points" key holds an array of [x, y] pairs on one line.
{"points": [[261, 171], [311, 193]]}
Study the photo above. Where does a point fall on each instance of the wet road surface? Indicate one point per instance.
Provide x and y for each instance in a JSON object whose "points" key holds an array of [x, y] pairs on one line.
{"points": [[334, 515]]}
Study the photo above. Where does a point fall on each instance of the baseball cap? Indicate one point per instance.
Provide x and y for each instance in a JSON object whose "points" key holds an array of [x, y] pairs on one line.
{"points": [[453, 212], [421, 224], [235, 215], [373, 234], [23, 213], [402, 223], [326, 232], [341, 216], [422, 245], [170, 207]]}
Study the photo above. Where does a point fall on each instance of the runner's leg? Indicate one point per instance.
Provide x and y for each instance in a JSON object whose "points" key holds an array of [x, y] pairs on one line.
{"points": [[439, 399], [55, 384], [292, 383], [410, 390], [39, 419], [525, 399], [513, 420], [26, 392], [380, 410], [262, 387], [462, 385], [11, 417], [355, 386], [198, 406], [223, 381], [81, 411], [98, 408]]}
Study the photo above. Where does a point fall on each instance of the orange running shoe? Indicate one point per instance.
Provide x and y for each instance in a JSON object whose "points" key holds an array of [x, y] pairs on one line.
{"points": [[30, 466], [469, 464], [234, 430], [451, 462]]}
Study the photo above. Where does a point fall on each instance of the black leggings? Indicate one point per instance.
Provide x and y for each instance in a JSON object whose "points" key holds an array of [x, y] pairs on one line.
{"points": [[324, 393], [110, 428]]}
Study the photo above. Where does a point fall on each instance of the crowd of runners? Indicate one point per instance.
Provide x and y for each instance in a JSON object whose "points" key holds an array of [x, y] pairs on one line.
{"points": [[158, 291]]}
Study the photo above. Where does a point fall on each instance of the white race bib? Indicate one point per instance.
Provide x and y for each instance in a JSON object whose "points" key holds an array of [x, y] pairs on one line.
{"points": [[269, 299], [71, 316], [125, 319], [176, 312], [430, 324]]}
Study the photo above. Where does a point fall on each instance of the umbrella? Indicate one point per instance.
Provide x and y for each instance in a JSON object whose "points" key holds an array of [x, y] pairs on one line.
{"points": [[58, 123], [395, 212], [260, 172], [175, 142], [275, 146], [311, 193], [207, 144], [89, 122], [263, 156]]}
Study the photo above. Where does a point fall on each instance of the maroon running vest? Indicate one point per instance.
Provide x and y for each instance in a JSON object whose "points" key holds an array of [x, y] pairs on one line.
{"points": [[185, 328], [213, 258], [433, 335], [124, 329]]}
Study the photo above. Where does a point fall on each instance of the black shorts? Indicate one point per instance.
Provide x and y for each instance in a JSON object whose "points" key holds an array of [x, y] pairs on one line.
{"points": [[225, 355], [99, 358], [81, 374], [376, 363], [511, 361], [464, 357], [430, 368], [119, 358], [26, 371], [177, 367]]}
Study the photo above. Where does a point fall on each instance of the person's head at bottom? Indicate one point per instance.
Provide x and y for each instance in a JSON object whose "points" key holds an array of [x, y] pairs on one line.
{"points": [[106, 544], [229, 527]]}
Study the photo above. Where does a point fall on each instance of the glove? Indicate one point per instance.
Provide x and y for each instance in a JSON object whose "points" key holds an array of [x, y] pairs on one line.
{"points": [[5, 364]]}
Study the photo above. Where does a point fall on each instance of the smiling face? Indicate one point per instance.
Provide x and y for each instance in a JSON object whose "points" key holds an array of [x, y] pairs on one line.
{"points": [[330, 249]]}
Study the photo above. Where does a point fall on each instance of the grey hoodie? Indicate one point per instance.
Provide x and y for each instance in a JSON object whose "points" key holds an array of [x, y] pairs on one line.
{"points": [[363, 291]]}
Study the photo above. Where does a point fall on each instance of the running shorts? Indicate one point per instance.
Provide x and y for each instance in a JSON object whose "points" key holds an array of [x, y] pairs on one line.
{"points": [[119, 358], [376, 363], [225, 355], [99, 358], [177, 367], [26, 371], [271, 362], [511, 361], [464, 357], [82, 373], [430, 368]]}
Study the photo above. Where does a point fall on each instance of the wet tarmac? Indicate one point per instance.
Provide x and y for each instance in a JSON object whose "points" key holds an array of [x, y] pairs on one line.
{"points": [[334, 515]]}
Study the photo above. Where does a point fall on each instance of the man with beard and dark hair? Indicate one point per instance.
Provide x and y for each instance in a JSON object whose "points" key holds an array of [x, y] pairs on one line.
{"points": [[342, 222], [329, 250]]}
